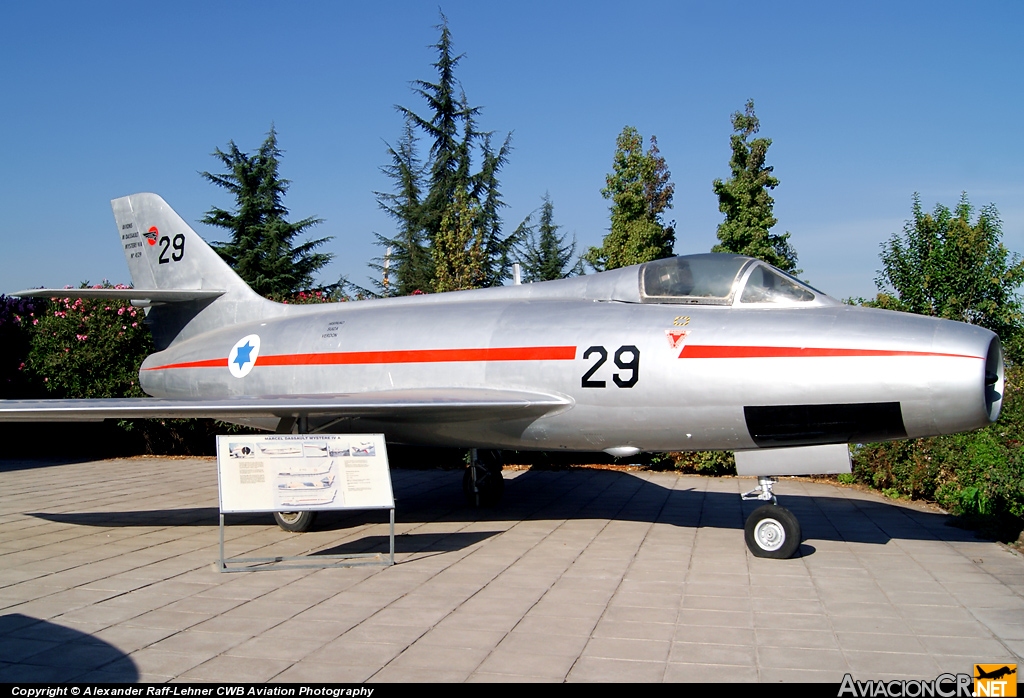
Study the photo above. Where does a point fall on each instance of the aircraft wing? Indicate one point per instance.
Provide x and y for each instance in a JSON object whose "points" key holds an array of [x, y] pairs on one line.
{"points": [[137, 295], [441, 404]]}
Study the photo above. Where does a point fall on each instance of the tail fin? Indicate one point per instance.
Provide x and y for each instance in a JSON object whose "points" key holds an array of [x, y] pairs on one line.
{"points": [[165, 254]]}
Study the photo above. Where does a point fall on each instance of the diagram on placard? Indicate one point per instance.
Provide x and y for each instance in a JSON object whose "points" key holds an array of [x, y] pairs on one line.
{"points": [[308, 478], [287, 450], [307, 498], [364, 448], [314, 450], [242, 450], [303, 469], [307, 491]]}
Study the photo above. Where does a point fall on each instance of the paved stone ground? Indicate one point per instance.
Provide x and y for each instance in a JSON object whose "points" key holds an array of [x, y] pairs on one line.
{"points": [[106, 575]]}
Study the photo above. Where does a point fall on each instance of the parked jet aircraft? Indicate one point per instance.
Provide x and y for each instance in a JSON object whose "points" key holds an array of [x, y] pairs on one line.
{"points": [[707, 351]]}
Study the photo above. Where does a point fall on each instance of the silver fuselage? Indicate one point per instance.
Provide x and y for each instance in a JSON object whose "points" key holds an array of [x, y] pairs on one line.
{"points": [[675, 376]]}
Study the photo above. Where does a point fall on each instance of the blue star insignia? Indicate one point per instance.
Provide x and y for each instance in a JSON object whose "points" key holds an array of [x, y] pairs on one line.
{"points": [[242, 357]]}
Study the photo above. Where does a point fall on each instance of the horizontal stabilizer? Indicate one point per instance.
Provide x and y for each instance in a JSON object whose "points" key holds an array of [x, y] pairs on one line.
{"points": [[451, 404], [138, 295]]}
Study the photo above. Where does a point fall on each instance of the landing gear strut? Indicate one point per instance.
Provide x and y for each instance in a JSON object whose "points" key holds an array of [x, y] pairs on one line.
{"points": [[482, 483], [771, 531]]}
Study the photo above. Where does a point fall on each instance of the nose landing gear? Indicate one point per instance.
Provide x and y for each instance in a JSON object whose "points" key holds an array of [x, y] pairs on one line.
{"points": [[771, 531]]}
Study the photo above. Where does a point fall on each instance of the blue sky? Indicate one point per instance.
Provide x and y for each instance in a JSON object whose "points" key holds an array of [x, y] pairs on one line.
{"points": [[865, 102]]}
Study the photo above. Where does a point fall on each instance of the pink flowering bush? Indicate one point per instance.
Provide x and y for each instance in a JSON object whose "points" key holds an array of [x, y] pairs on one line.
{"points": [[19, 318], [93, 349], [89, 348], [308, 298], [329, 295]]}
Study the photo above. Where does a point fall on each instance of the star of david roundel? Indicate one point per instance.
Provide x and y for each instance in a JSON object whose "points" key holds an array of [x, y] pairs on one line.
{"points": [[242, 356]]}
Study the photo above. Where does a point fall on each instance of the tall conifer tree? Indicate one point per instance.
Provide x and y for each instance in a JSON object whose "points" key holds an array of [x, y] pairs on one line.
{"points": [[262, 247], [455, 143], [547, 255], [745, 201], [408, 266], [498, 248], [449, 113]]}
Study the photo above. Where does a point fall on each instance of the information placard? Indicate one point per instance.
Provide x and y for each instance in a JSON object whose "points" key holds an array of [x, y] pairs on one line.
{"points": [[303, 472]]}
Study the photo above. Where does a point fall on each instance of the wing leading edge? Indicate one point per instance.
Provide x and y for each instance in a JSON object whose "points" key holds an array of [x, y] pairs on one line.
{"points": [[136, 295], [428, 405]]}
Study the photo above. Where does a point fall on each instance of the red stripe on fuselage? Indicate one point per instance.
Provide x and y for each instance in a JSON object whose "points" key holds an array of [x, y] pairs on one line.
{"points": [[409, 356], [209, 363], [697, 351]]}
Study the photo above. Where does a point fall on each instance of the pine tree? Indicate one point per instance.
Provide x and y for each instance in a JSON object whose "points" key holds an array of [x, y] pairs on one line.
{"points": [[745, 201], [262, 247], [641, 191], [498, 249], [449, 154], [455, 144], [409, 266], [548, 255]]}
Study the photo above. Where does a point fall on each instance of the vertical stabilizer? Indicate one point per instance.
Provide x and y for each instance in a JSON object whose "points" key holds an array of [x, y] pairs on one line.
{"points": [[164, 253]]}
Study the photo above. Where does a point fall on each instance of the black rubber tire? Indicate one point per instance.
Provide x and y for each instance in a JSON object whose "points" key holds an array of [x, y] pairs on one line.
{"points": [[490, 485], [295, 521], [772, 531]]}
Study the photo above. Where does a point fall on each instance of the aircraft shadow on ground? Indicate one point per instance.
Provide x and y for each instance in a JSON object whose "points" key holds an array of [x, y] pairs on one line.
{"points": [[575, 494], [38, 651], [13, 464], [411, 543]]}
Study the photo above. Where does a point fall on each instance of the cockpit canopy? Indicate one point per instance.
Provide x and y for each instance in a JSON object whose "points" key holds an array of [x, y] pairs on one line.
{"points": [[718, 279], [726, 280]]}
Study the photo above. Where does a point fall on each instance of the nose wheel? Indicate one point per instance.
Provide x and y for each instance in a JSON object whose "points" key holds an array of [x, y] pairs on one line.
{"points": [[771, 531]]}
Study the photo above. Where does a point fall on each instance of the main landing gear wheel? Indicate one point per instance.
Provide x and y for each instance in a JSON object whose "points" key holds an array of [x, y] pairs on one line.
{"points": [[772, 531], [295, 521], [482, 482]]}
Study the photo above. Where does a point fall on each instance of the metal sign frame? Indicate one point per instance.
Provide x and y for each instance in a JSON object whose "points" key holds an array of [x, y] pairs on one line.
{"points": [[256, 564], [303, 472]]}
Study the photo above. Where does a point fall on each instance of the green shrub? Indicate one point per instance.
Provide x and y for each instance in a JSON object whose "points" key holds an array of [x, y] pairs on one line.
{"points": [[978, 475], [705, 462], [93, 349], [18, 320], [89, 349]]}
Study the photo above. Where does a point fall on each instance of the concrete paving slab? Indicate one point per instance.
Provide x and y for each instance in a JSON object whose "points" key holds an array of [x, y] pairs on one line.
{"points": [[534, 664], [699, 653], [585, 575], [591, 669]]}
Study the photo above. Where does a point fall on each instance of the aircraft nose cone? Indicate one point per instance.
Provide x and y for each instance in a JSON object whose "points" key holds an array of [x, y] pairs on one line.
{"points": [[994, 379], [967, 393]]}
